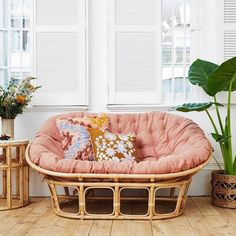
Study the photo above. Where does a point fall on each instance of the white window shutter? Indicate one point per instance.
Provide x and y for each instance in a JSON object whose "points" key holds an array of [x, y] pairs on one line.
{"points": [[227, 34], [134, 52], [60, 52], [229, 29]]}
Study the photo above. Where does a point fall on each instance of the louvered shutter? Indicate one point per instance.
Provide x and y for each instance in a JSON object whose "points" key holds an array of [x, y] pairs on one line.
{"points": [[229, 29], [134, 51], [60, 52], [227, 45]]}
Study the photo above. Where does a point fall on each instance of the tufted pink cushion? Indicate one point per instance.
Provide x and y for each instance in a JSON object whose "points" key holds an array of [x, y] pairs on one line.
{"points": [[166, 143]]}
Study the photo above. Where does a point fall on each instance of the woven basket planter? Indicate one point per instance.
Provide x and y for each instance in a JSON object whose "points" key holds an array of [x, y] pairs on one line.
{"points": [[223, 189]]}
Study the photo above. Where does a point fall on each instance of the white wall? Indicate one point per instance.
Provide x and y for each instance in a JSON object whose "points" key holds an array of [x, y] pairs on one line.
{"points": [[28, 123]]}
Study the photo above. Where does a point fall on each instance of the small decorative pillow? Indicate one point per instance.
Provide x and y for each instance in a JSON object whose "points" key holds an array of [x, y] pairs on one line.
{"points": [[76, 141], [114, 147]]}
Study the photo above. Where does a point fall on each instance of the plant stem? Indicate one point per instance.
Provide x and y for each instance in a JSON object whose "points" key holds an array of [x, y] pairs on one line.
{"points": [[224, 151], [229, 141], [234, 166], [222, 147], [219, 117], [229, 118], [212, 122]]}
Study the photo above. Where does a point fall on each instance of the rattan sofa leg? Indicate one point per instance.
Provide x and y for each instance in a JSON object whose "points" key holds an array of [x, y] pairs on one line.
{"points": [[151, 201], [84, 187], [54, 198], [82, 201], [116, 201], [182, 196], [185, 196]]}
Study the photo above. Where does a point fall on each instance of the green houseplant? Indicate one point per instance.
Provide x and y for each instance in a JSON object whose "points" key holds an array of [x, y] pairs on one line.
{"points": [[214, 79]]}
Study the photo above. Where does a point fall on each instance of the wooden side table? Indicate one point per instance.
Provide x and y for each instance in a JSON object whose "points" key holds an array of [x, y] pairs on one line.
{"points": [[14, 190]]}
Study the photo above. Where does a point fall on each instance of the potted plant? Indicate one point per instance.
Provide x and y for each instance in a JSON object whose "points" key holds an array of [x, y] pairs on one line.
{"points": [[13, 100], [214, 79]]}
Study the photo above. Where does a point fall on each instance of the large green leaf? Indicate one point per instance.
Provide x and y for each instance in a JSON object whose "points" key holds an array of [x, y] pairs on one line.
{"points": [[188, 107], [199, 73], [222, 77]]}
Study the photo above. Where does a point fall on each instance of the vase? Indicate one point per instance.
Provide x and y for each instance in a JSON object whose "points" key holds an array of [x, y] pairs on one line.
{"points": [[223, 189], [8, 127]]}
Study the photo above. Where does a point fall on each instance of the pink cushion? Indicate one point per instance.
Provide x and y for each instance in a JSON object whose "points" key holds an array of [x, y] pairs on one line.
{"points": [[166, 143]]}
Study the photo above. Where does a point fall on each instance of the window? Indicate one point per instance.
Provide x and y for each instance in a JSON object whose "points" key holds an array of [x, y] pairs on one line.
{"points": [[149, 51], [47, 39], [15, 39], [175, 50]]}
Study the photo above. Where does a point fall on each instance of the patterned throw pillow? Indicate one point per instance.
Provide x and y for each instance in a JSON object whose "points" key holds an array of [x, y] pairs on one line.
{"points": [[101, 121], [113, 147], [76, 141]]}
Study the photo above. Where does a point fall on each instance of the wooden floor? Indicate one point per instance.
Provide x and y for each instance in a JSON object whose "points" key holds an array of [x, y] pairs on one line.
{"points": [[200, 218]]}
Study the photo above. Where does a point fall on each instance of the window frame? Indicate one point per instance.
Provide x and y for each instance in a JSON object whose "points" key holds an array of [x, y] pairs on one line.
{"points": [[9, 30], [7, 69], [198, 31]]}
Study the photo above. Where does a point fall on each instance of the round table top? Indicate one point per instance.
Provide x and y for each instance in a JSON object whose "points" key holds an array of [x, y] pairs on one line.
{"points": [[14, 141]]}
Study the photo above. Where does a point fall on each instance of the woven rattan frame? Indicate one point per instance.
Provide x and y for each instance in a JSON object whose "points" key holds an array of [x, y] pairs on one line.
{"points": [[116, 182], [8, 165]]}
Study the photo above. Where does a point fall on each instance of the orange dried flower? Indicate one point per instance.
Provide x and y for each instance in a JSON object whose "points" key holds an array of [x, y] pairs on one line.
{"points": [[20, 99]]}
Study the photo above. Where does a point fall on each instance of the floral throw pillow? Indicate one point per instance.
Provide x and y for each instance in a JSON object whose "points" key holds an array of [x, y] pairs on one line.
{"points": [[113, 147], [101, 121], [76, 141]]}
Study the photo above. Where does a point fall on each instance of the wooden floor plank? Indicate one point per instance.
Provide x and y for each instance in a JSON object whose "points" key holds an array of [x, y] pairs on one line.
{"points": [[81, 229], [101, 228], [13, 217], [141, 228], [197, 220], [213, 218], [43, 225], [178, 226], [25, 223], [200, 218], [229, 215], [70, 227], [40, 219], [121, 228], [175, 226]]}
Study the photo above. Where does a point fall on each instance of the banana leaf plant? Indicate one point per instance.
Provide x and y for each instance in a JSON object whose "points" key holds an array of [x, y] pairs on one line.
{"points": [[214, 79]]}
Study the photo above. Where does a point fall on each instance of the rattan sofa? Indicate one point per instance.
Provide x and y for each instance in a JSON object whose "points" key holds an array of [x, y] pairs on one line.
{"points": [[172, 149]]}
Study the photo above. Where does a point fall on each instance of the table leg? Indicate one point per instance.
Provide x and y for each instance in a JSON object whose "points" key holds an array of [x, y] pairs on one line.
{"points": [[22, 175], [9, 179], [4, 175], [17, 173], [4, 183], [26, 183]]}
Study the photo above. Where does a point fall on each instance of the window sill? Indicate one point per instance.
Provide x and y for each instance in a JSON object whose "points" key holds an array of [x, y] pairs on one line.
{"points": [[57, 108], [139, 108]]}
